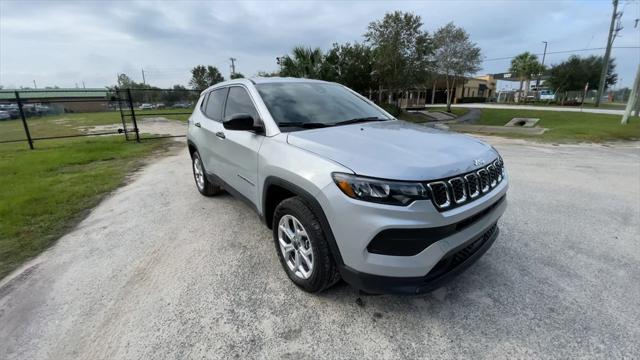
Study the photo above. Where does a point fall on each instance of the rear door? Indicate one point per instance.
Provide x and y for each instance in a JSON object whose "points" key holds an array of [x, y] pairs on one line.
{"points": [[240, 148]]}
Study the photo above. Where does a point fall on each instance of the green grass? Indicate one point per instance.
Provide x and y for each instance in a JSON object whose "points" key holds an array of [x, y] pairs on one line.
{"points": [[568, 126], [46, 191], [71, 124], [413, 117], [607, 106]]}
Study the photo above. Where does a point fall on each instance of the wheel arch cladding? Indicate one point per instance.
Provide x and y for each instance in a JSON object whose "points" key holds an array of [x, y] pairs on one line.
{"points": [[276, 190], [192, 147]]}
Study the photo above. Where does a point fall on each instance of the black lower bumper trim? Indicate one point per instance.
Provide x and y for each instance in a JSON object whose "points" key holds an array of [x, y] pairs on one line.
{"points": [[450, 266]]}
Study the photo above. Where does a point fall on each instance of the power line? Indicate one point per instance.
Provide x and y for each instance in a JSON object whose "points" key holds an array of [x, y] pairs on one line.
{"points": [[566, 51]]}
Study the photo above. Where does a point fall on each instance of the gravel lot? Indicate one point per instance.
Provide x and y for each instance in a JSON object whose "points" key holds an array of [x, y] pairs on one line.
{"points": [[159, 272]]}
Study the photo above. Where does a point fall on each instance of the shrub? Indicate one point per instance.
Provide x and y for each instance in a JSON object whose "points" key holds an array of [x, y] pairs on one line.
{"points": [[392, 109]]}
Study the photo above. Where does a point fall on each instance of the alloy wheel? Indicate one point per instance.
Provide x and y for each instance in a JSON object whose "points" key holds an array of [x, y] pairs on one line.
{"points": [[295, 246]]}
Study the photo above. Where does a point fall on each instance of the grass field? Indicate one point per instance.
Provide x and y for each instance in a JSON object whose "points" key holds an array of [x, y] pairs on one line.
{"points": [[46, 191], [569, 126], [73, 124]]}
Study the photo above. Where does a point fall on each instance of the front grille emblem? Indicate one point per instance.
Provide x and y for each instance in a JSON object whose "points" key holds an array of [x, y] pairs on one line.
{"points": [[478, 162]]}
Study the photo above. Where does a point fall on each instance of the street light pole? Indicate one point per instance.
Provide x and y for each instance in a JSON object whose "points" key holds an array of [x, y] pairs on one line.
{"points": [[544, 55]]}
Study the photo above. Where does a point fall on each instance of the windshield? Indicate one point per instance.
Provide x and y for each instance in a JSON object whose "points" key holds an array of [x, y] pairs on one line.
{"points": [[317, 104]]}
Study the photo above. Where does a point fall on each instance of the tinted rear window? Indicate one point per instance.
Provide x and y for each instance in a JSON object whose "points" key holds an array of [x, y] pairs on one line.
{"points": [[215, 103]]}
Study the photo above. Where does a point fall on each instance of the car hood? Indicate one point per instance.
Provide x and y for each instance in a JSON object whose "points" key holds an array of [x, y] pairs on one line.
{"points": [[396, 149]]}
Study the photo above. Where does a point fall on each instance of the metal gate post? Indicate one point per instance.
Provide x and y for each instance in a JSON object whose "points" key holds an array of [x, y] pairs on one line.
{"points": [[24, 121], [124, 124], [133, 116]]}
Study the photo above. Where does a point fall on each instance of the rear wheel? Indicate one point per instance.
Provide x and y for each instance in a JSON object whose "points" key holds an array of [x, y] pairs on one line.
{"points": [[302, 247], [203, 184]]}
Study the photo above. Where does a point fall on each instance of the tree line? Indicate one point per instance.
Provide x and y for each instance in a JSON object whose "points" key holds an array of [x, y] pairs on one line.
{"points": [[397, 54], [575, 73]]}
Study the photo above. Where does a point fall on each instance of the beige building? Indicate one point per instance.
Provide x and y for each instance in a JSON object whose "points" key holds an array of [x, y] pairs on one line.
{"points": [[473, 89]]}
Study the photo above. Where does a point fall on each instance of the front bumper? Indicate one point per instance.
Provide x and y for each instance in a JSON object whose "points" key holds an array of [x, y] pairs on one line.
{"points": [[355, 223], [446, 269]]}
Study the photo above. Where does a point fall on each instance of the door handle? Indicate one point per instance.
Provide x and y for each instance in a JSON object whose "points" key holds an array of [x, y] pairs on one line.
{"points": [[197, 124], [220, 134]]}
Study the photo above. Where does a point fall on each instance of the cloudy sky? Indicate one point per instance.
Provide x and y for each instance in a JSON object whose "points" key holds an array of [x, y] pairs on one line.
{"points": [[68, 43]]}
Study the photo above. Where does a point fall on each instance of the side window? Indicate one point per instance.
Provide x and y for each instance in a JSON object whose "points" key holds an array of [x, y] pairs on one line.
{"points": [[239, 102], [215, 101], [203, 104]]}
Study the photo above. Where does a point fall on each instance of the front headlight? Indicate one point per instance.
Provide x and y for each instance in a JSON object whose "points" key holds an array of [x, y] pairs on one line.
{"points": [[380, 191]]}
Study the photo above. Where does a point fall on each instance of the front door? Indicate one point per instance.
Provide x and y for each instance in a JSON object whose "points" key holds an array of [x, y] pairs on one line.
{"points": [[240, 148]]}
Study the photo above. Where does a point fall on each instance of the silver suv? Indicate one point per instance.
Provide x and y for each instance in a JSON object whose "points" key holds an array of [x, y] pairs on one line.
{"points": [[349, 191]]}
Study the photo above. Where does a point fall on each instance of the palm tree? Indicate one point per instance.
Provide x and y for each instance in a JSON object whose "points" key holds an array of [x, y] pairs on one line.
{"points": [[304, 62], [525, 66]]}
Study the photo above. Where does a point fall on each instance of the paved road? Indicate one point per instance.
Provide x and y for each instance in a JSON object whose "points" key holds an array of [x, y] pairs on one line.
{"points": [[533, 107], [159, 272]]}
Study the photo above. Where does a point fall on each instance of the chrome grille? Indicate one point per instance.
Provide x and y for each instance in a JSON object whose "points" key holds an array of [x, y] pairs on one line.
{"points": [[483, 175], [473, 184], [458, 190], [440, 193]]}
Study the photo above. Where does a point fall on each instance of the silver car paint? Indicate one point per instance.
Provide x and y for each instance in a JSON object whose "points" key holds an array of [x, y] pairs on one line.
{"points": [[373, 149], [307, 159]]}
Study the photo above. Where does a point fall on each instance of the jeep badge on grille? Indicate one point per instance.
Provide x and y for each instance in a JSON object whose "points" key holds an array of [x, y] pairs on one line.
{"points": [[478, 162]]}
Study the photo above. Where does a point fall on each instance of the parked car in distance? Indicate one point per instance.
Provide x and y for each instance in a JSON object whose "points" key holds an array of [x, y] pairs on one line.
{"points": [[547, 95], [348, 190], [4, 115], [145, 106], [181, 105]]}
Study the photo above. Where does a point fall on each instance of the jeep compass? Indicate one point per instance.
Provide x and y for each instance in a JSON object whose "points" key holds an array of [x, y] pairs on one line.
{"points": [[349, 191]]}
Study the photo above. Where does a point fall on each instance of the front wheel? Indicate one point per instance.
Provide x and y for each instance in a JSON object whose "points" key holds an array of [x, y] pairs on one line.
{"points": [[205, 187], [302, 247]]}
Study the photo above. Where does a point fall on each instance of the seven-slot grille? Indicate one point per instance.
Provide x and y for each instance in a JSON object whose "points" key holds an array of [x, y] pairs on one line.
{"points": [[458, 190]]}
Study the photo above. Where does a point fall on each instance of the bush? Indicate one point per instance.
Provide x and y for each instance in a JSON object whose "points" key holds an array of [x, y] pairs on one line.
{"points": [[466, 100], [392, 109]]}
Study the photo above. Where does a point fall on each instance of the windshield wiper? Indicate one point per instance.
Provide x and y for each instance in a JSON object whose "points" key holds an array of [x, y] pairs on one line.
{"points": [[359, 120], [306, 125]]}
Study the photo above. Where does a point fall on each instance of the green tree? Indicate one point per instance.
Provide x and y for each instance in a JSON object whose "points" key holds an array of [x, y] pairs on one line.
{"points": [[526, 66], [202, 77], [304, 63], [177, 93], [350, 65], [125, 82], [268, 74], [401, 51], [237, 76], [576, 72], [456, 56]]}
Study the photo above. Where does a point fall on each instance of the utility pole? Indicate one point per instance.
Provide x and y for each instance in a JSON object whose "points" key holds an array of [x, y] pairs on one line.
{"points": [[544, 55], [233, 66], [144, 81], [633, 99], [613, 32], [34, 84], [84, 87]]}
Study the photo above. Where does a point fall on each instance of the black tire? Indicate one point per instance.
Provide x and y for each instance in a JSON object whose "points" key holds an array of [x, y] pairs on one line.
{"points": [[208, 188], [324, 273]]}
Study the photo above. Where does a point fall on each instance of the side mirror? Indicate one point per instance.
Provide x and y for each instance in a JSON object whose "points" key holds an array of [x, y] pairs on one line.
{"points": [[242, 122]]}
